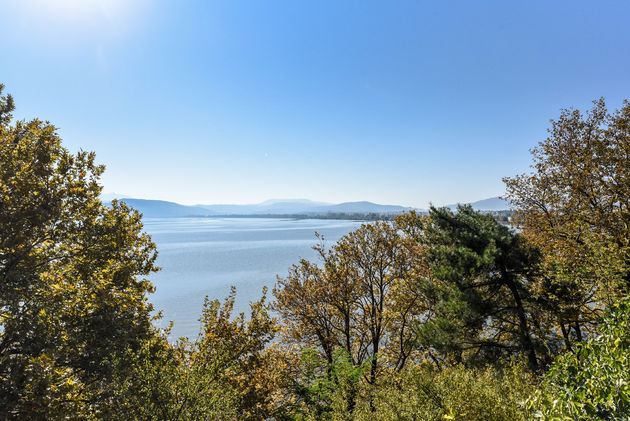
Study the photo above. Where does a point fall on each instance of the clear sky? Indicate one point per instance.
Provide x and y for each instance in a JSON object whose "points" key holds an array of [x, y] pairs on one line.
{"points": [[397, 102]]}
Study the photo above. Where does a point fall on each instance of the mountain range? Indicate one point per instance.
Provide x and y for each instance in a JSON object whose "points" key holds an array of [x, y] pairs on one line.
{"points": [[491, 204], [165, 209]]}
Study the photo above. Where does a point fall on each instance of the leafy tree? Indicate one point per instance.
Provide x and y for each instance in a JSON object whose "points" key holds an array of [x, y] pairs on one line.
{"points": [[326, 390], [72, 277], [229, 372], [593, 381], [480, 304], [252, 365], [575, 207], [362, 299], [161, 382]]}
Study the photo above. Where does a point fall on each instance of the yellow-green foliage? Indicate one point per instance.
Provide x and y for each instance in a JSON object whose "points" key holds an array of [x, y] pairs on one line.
{"points": [[420, 392], [573, 206], [72, 277], [453, 393], [326, 391], [593, 381], [231, 372]]}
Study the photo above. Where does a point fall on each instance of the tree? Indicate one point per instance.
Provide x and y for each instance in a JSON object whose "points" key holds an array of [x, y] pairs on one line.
{"points": [[361, 300], [324, 390], [480, 302], [162, 382], [575, 207], [231, 371], [73, 287], [252, 365]]}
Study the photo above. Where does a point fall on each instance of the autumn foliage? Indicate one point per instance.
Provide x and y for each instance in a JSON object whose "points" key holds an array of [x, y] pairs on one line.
{"points": [[444, 315]]}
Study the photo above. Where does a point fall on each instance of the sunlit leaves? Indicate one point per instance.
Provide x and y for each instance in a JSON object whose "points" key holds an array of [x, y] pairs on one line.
{"points": [[575, 206], [593, 381], [73, 271]]}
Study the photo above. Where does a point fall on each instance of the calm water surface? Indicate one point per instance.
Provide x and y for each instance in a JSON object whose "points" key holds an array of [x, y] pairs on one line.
{"points": [[205, 256]]}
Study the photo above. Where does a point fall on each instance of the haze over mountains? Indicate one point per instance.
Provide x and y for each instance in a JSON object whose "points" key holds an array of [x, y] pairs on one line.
{"points": [[165, 209], [491, 204]]}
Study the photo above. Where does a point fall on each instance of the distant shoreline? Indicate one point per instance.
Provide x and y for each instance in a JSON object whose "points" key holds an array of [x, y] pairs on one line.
{"points": [[501, 216], [300, 216]]}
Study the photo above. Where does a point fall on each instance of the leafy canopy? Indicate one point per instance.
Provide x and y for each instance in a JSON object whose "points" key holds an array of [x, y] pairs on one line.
{"points": [[73, 273], [593, 382], [575, 207]]}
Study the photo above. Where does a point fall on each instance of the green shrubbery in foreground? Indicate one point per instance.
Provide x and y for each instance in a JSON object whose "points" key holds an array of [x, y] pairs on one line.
{"points": [[593, 382], [449, 316]]}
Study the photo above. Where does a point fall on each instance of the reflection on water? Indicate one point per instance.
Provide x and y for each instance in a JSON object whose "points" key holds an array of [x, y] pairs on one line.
{"points": [[205, 256]]}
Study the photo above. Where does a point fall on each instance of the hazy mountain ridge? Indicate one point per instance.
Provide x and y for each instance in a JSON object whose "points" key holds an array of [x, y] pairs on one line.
{"points": [[361, 207], [491, 204], [166, 209], [273, 206]]}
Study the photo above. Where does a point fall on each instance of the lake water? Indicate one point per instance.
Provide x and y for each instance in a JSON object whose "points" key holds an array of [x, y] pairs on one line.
{"points": [[205, 256]]}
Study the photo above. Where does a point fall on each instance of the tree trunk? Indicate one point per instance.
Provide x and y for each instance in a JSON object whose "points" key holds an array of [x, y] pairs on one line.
{"points": [[526, 340]]}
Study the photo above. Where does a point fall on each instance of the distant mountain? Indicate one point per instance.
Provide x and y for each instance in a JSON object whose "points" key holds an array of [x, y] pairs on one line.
{"points": [[108, 197], [297, 201], [491, 204], [164, 209], [360, 207], [275, 206]]}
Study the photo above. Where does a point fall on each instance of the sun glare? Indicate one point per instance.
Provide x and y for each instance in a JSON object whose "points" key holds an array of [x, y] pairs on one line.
{"points": [[80, 11], [63, 21]]}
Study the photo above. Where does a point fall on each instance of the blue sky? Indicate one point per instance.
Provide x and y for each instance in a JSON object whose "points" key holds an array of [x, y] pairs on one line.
{"points": [[399, 102]]}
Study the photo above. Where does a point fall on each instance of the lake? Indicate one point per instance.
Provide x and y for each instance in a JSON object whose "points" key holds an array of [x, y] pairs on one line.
{"points": [[205, 256]]}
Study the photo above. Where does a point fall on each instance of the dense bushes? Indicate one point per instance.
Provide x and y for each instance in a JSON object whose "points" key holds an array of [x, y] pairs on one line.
{"points": [[454, 393], [593, 381]]}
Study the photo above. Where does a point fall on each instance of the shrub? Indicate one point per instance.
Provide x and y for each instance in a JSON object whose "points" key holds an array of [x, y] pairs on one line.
{"points": [[593, 381]]}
